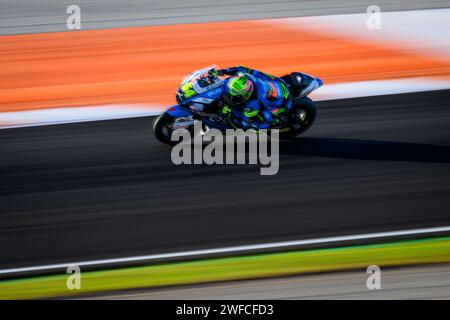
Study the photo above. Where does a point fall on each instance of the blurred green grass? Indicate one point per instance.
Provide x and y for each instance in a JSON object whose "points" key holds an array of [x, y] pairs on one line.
{"points": [[234, 268]]}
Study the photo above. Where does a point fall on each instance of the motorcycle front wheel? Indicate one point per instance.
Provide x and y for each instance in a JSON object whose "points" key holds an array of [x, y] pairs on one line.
{"points": [[162, 128]]}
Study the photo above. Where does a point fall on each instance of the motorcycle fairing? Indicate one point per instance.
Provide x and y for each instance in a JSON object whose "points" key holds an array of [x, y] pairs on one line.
{"points": [[201, 84], [304, 83]]}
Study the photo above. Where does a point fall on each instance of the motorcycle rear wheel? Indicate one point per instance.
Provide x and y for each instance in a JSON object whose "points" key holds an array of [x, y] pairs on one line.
{"points": [[301, 116]]}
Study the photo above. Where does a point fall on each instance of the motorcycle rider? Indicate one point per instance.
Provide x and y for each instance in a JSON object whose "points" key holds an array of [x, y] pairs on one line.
{"points": [[254, 96]]}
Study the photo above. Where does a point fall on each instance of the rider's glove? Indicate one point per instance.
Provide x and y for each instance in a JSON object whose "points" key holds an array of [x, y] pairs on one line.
{"points": [[225, 109]]}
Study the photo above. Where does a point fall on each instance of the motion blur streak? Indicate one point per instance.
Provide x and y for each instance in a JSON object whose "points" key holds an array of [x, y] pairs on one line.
{"points": [[145, 64], [25, 16], [39, 117], [102, 190], [420, 31], [424, 282], [238, 249]]}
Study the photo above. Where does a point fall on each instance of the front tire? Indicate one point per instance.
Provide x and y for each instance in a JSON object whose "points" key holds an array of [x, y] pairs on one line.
{"points": [[162, 128]]}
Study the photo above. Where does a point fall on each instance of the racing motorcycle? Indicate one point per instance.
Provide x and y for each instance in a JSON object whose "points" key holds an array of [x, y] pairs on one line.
{"points": [[205, 86]]}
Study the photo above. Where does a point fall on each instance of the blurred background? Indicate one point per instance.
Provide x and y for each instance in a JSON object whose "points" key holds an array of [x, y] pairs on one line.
{"points": [[83, 179]]}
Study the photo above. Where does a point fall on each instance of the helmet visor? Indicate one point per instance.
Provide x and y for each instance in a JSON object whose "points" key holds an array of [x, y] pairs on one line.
{"points": [[240, 90]]}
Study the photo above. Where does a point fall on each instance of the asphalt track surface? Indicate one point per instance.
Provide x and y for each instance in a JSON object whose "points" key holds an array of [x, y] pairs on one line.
{"points": [[107, 189], [423, 282], [25, 16]]}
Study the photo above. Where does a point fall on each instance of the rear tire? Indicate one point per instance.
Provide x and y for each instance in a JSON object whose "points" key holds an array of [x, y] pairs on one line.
{"points": [[303, 114]]}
